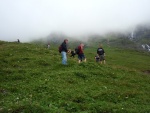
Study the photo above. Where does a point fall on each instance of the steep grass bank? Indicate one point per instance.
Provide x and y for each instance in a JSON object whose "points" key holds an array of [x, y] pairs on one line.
{"points": [[32, 79]]}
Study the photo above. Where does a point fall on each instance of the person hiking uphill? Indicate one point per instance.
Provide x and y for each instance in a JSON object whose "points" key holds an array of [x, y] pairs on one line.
{"points": [[64, 50], [81, 55], [101, 54]]}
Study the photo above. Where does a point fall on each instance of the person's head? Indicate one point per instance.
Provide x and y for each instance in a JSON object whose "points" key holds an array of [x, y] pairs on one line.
{"points": [[66, 40], [81, 44], [100, 45]]}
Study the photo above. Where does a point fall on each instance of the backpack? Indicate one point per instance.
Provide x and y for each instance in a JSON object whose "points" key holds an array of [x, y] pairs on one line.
{"points": [[100, 51], [77, 50], [60, 49]]}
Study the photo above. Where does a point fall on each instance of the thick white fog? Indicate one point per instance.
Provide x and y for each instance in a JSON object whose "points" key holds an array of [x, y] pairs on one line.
{"points": [[30, 19]]}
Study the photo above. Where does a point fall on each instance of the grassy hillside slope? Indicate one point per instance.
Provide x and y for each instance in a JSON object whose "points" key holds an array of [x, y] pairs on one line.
{"points": [[32, 80]]}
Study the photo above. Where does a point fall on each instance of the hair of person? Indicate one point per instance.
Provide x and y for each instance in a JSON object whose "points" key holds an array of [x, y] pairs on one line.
{"points": [[65, 40], [81, 44], [100, 45]]}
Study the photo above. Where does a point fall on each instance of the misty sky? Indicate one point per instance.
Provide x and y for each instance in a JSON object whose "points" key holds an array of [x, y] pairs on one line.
{"points": [[27, 19]]}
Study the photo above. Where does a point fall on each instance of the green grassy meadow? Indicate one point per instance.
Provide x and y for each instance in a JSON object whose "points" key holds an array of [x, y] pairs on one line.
{"points": [[32, 80]]}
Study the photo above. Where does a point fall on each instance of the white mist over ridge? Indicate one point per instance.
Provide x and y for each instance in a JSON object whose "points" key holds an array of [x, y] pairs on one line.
{"points": [[31, 19]]}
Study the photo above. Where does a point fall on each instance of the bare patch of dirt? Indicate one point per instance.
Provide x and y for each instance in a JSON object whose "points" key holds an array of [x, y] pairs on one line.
{"points": [[147, 72]]}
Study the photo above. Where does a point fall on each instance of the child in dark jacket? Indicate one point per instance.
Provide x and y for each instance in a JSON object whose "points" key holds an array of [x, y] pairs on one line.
{"points": [[73, 54], [97, 58]]}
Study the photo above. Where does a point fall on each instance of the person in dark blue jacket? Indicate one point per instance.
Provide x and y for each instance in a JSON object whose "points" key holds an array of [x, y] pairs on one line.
{"points": [[64, 51]]}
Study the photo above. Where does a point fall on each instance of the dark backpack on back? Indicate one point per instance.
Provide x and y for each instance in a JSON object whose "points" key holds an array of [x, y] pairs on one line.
{"points": [[77, 50], [100, 51], [60, 48]]}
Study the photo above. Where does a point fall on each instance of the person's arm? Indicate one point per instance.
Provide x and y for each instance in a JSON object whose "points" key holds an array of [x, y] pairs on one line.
{"points": [[81, 49], [66, 49], [104, 52]]}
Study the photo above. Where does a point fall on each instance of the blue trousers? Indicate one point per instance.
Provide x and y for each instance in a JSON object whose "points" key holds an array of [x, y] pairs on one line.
{"points": [[64, 58]]}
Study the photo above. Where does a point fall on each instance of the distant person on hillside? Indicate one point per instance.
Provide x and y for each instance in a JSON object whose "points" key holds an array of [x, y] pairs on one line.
{"points": [[64, 50], [18, 40], [101, 53], [81, 55], [48, 45]]}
